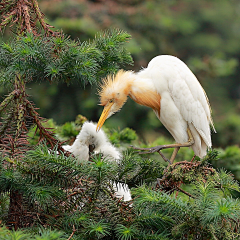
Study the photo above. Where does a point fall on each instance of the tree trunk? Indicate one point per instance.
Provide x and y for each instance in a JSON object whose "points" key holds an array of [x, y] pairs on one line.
{"points": [[15, 212]]}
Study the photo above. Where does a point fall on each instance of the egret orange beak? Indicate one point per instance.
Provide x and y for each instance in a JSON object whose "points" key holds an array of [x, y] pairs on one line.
{"points": [[104, 116]]}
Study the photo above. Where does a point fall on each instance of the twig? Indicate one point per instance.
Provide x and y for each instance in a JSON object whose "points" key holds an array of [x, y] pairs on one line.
{"points": [[182, 162], [74, 230], [188, 194], [40, 17], [193, 158], [27, 17]]}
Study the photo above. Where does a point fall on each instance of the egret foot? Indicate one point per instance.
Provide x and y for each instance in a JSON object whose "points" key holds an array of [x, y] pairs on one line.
{"points": [[153, 150], [149, 150], [176, 147]]}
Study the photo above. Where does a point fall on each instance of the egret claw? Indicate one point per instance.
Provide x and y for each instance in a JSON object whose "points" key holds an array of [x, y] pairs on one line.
{"points": [[144, 152], [149, 150], [138, 148]]}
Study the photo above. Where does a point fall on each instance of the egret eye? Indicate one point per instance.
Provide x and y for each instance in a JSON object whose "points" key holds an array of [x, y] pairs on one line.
{"points": [[111, 100]]}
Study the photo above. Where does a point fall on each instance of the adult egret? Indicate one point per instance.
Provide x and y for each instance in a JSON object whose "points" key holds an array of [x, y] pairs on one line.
{"points": [[87, 141], [169, 87]]}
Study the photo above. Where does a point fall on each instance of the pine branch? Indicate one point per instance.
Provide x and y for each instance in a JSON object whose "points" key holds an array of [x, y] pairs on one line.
{"points": [[40, 17], [45, 134], [60, 59], [8, 100], [25, 15]]}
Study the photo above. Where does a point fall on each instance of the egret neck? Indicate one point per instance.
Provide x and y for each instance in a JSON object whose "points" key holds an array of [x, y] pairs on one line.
{"points": [[115, 90], [142, 91]]}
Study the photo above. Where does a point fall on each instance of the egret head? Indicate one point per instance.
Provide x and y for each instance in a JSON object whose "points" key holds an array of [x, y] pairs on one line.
{"points": [[113, 94]]}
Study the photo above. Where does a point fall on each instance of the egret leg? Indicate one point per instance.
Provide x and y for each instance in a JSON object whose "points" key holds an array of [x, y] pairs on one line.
{"points": [[177, 146], [174, 154]]}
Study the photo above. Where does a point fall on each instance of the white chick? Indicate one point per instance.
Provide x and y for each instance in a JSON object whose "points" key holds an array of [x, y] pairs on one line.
{"points": [[89, 137]]}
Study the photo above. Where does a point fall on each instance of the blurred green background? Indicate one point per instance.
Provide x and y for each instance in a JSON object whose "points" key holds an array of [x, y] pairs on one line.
{"points": [[204, 34]]}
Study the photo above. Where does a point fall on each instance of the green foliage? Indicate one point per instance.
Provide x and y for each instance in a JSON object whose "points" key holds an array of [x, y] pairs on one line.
{"points": [[45, 234], [111, 45], [229, 127], [4, 203], [140, 170], [229, 159], [126, 135], [227, 182], [54, 186], [69, 129], [206, 214], [62, 59], [57, 188], [126, 233], [98, 230], [5, 234], [44, 190]]}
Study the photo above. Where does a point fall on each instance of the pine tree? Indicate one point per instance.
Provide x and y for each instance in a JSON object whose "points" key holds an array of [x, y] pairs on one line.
{"points": [[45, 194], [40, 54]]}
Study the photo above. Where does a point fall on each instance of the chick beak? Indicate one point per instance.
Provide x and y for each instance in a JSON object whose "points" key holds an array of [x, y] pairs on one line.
{"points": [[104, 116]]}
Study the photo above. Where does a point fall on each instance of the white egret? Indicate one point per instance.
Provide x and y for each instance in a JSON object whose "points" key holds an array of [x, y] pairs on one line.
{"points": [[169, 87]]}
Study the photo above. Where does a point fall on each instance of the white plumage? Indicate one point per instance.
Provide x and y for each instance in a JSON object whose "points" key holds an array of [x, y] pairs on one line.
{"points": [[183, 101], [80, 149], [169, 87], [88, 136]]}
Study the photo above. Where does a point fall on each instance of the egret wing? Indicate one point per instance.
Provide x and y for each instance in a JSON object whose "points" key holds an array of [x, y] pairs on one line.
{"points": [[191, 99], [186, 92]]}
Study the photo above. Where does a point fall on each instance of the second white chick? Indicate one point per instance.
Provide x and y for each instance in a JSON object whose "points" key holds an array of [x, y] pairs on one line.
{"points": [[89, 137]]}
